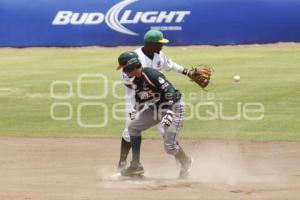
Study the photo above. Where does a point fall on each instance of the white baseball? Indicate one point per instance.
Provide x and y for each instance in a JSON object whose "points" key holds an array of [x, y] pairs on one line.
{"points": [[236, 78]]}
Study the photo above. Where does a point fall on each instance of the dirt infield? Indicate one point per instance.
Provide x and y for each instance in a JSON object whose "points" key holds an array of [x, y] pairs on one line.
{"points": [[80, 168]]}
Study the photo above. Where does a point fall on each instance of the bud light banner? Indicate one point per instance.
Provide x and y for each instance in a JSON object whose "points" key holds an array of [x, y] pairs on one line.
{"points": [[26, 23]]}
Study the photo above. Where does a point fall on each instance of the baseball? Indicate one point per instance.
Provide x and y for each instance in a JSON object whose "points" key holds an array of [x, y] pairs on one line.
{"points": [[236, 78]]}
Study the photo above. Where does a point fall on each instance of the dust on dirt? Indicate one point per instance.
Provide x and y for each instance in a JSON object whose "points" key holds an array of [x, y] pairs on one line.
{"points": [[81, 168]]}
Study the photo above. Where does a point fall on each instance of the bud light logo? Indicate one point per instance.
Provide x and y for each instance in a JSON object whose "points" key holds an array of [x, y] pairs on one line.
{"points": [[118, 22]]}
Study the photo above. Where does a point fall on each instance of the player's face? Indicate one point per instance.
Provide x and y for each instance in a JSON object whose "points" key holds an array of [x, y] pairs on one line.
{"points": [[133, 73], [155, 47], [130, 74], [158, 47]]}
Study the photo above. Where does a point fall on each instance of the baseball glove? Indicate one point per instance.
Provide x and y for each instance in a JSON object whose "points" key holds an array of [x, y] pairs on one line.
{"points": [[201, 75]]}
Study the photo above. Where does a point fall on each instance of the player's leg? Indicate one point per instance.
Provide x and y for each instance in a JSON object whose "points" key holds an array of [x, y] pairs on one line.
{"points": [[160, 129], [125, 140], [185, 162], [144, 121], [124, 150], [171, 144]]}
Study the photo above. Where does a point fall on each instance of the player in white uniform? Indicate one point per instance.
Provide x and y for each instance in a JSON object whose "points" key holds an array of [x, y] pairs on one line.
{"points": [[150, 55]]}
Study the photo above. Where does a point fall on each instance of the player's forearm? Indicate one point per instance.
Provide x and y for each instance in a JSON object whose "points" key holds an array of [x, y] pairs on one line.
{"points": [[128, 85], [177, 68], [180, 69], [126, 80], [138, 106]]}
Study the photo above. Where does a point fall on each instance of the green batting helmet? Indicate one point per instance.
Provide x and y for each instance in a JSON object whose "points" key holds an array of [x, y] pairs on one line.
{"points": [[125, 57], [133, 63]]}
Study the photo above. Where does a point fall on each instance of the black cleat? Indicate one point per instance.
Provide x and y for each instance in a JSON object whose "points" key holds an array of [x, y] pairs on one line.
{"points": [[133, 171], [186, 168], [121, 165]]}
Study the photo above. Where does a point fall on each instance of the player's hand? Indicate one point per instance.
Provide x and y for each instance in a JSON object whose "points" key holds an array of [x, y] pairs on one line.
{"points": [[167, 119], [132, 114]]}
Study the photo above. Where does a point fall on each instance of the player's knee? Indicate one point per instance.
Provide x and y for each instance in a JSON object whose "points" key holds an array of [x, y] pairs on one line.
{"points": [[126, 135], [126, 138], [171, 149], [133, 131]]}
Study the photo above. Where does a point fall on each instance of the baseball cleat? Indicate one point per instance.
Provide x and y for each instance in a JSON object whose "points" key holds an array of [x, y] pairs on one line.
{"points": [[186, 168], [133, 171], [121, 166]]}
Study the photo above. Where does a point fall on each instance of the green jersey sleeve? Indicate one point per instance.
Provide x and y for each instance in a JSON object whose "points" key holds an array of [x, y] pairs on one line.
{"points": [[161, 85]]}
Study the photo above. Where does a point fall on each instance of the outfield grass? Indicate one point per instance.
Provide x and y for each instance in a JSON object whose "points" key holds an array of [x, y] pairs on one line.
{"points": [[270, 75]]}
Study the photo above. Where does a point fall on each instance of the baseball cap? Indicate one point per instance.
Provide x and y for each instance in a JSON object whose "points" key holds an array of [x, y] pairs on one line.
{"points": [[132, 64], [125, 57], [155, 36]]}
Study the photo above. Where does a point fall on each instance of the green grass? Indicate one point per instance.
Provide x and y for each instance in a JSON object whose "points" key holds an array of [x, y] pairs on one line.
{"points": [[270, 75]]}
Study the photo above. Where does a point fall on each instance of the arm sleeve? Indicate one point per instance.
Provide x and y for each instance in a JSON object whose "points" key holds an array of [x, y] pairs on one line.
{"points": [[167, 91], [168, 65]]}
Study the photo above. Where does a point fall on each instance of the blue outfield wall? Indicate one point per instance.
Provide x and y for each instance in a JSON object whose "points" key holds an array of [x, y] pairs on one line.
{"points": [[25, 23]]}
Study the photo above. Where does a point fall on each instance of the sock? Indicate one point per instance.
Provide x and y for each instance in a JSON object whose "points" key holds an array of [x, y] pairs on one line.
{"points": [[181, 156], [125, 148], [136, 147]]}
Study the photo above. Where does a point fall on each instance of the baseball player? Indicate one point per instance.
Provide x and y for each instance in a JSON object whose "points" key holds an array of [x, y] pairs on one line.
{"points": [[150, 55], [164, 107]]}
